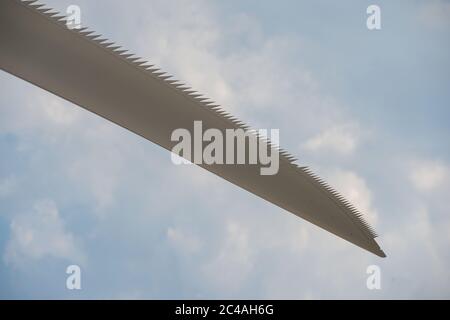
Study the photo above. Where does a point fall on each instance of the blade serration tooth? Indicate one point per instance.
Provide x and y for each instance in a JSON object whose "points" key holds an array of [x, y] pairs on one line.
{"points": [[93, 36], [50, 13], [86, 33], [36, 5], [126, 55], [58, 16], [44, 10]]}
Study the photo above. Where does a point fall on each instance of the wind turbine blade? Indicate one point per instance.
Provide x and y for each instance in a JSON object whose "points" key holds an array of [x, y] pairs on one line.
{"points": [[72, 64]]}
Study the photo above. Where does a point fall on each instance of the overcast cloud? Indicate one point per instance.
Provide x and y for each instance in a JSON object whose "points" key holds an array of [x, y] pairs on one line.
{"points": [[367, 110]]}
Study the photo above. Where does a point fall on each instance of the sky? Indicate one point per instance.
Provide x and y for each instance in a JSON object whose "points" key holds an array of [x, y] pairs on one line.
{"points": [[368, 110]]}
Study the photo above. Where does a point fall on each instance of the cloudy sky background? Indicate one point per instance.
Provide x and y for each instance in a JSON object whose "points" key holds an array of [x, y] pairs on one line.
{"points": [[368, 110]]}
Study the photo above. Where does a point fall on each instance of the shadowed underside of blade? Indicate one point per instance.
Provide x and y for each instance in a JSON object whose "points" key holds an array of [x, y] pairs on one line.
{"points": [[82, 67]]}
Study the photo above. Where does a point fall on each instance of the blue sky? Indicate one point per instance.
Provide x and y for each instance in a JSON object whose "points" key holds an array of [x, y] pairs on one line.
{"points": [[368, 110]]}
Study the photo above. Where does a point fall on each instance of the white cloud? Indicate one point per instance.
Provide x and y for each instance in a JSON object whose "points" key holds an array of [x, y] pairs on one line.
{"points": [[429, 175], [418, 250], [184, 242], [7, 186], [435, 14], [90, 170], [343, 139], [56, 110], [228, 270], [38, 112], [38, 234]]}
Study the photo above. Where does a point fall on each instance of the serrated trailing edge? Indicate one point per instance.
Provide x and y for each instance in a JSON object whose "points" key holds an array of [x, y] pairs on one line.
{"points": [[355, 215], [208, 104]]}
